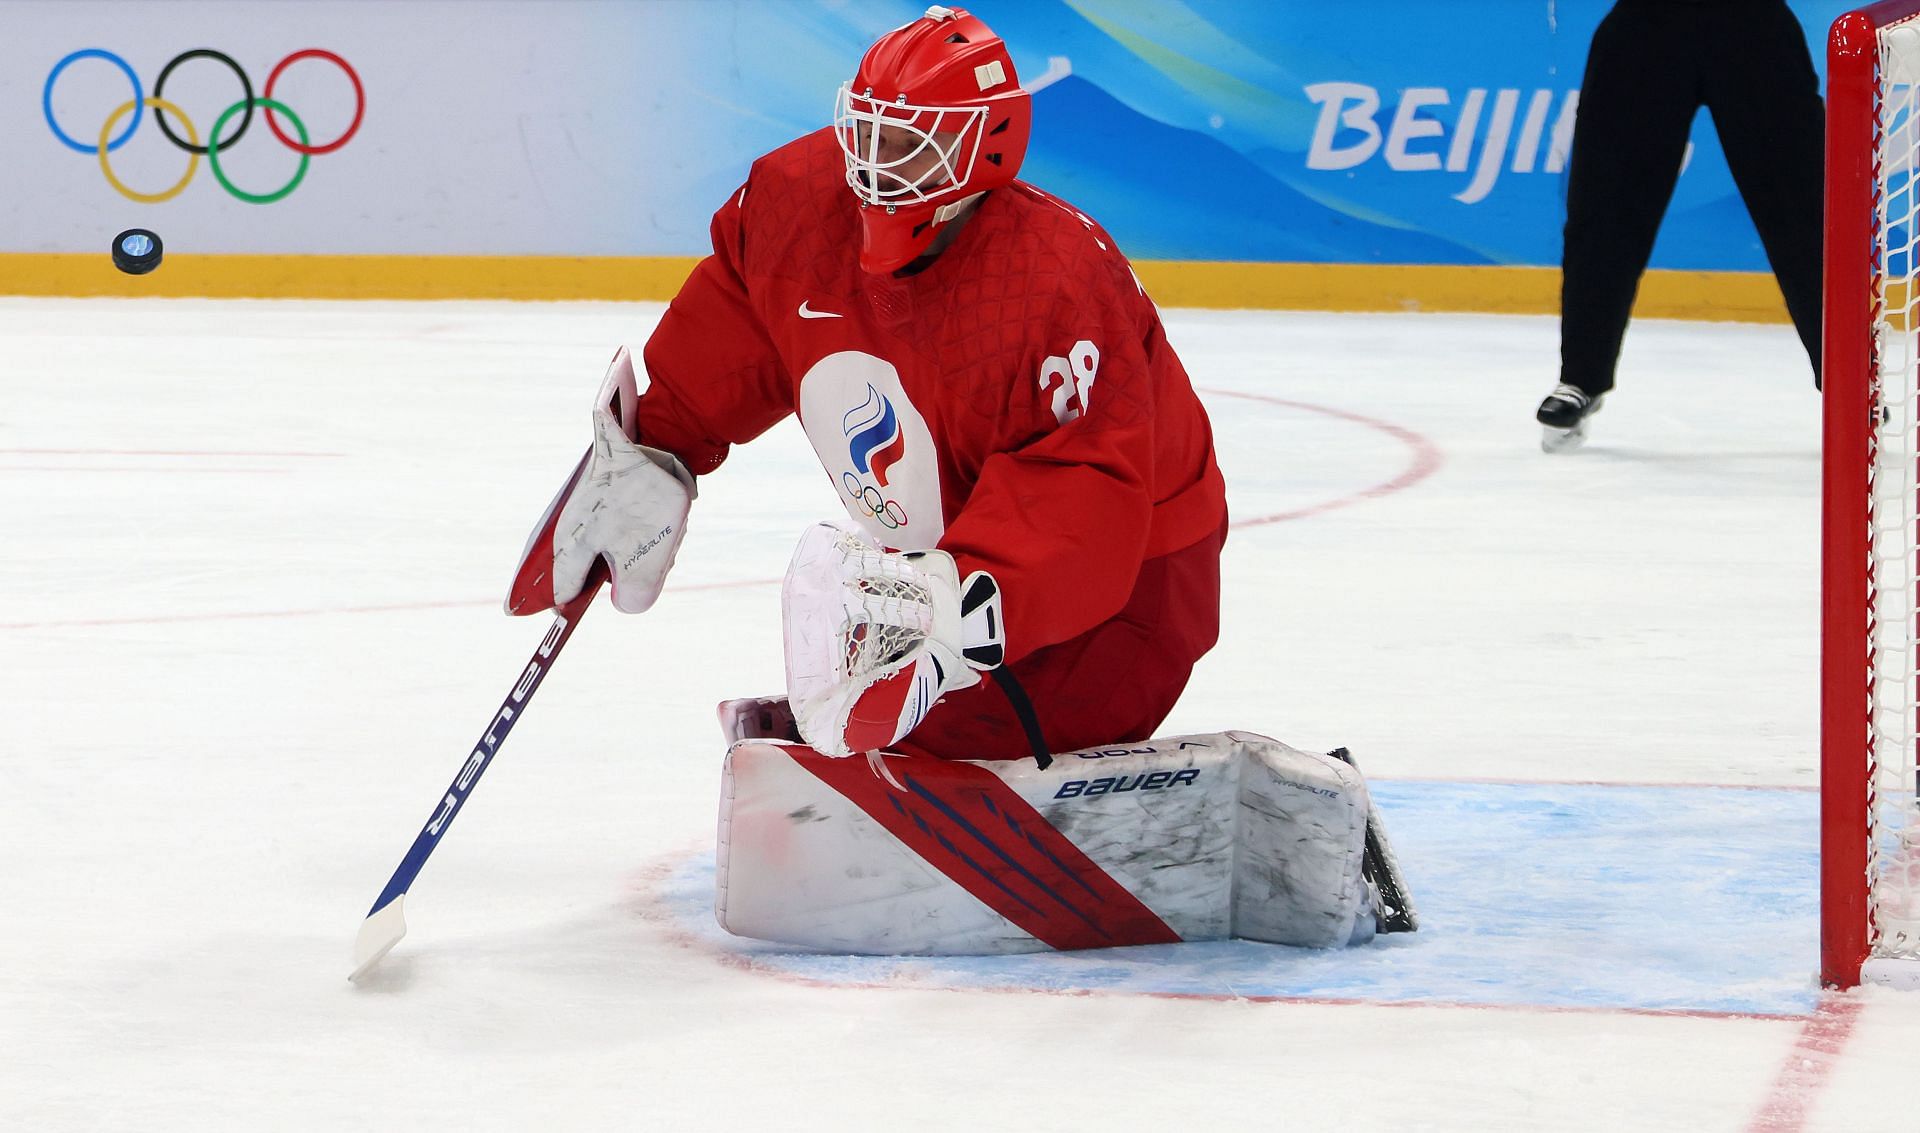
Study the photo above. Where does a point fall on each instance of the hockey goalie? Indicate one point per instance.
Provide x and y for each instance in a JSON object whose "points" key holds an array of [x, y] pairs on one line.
{"points": [[977, 662]]}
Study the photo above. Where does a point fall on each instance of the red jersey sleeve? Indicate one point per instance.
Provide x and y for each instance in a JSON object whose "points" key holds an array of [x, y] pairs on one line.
{"points": [[715, 377], [1064, 521]]}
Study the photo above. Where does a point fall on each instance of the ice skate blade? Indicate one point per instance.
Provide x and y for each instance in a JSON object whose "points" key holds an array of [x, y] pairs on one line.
{"points": [[1562, 440]]}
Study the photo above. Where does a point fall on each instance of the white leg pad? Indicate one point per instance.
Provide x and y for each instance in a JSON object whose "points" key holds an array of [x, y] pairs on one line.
{"points": [[757, 718], [1186, 838], [1302, 838]]}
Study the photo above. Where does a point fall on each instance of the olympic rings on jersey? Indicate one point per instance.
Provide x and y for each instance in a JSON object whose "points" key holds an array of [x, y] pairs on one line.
{"points": [[878, 508], [214, 143]]}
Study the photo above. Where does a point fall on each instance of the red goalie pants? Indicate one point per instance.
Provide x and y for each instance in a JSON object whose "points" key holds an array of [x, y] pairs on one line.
{"points": [[1113, 684]]}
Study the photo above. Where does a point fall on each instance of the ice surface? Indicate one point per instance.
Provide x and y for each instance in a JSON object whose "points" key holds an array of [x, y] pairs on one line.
{"points": [[249, 623]]}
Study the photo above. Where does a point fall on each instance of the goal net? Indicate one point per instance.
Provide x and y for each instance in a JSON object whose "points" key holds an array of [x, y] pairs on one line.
{"points": [[1870, 695]]}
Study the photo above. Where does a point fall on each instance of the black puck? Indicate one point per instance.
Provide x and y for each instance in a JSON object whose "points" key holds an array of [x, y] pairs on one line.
{"points": [[136, 251]]}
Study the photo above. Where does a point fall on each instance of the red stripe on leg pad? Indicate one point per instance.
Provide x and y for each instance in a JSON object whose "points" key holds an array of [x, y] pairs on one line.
{"points": [[970, 825]]}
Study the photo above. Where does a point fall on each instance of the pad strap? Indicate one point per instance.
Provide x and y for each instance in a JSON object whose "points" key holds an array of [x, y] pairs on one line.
{"points": [[1023, 711]]}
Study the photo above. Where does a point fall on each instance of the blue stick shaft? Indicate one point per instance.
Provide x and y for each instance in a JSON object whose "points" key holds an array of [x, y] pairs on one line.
{"points": [[564, 621]]}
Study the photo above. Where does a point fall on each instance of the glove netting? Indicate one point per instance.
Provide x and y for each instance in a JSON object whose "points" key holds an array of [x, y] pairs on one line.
{"points": [[889, 609]]}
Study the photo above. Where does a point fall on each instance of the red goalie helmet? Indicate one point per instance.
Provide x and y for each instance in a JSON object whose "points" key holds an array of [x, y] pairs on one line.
{"points": [[934, 117]]}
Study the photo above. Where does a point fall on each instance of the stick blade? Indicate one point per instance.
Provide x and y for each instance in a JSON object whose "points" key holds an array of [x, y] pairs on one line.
{"points": [[381, 930]]}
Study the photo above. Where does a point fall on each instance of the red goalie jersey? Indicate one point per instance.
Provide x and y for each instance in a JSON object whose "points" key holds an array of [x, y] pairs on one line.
{"points": [[1014, 402]]}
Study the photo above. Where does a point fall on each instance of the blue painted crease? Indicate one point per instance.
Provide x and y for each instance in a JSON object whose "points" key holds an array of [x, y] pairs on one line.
{"points": [[1685, 899]]}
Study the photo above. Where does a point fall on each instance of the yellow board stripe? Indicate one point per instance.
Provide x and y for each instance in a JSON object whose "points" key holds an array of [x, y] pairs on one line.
{"points": [[1707, 295], [353, 277], [1735, 296]]}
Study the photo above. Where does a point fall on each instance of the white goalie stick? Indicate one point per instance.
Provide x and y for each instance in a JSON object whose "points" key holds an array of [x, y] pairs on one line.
{"points": [[386, 922], [1377, 864]]}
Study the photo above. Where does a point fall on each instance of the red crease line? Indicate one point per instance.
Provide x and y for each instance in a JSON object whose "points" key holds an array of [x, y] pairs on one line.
{"points": [[1804, 1074]]}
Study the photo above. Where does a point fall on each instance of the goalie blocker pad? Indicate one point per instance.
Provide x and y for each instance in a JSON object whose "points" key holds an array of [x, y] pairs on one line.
{"points": [[1199, 837]]}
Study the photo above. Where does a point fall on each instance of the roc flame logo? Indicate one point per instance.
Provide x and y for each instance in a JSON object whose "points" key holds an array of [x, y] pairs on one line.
{"points": [[874, 439]]}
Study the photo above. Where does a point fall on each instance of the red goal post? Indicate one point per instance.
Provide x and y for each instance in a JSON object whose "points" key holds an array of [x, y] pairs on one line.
{"points": [[1870, 627]]}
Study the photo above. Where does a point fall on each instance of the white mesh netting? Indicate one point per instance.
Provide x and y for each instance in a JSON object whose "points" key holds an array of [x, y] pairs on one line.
{"points": [[894, 615], [1893, 864]]}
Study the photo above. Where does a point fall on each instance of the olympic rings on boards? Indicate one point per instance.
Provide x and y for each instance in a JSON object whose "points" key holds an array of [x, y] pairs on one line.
{"points": [[359, 102], [193, 161], [46, 97], [214, 144], [245, 85], [213, 151]]}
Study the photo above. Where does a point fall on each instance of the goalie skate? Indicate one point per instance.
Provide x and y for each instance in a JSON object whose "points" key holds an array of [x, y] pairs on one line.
{"points": [[1392, 906]]}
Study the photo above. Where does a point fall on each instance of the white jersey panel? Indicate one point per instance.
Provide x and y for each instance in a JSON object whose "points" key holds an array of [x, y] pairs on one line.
{"points": [[875, 447]]}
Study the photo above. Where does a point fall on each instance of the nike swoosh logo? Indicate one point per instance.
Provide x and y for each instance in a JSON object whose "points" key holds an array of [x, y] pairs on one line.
{"points": [[807, 312]]}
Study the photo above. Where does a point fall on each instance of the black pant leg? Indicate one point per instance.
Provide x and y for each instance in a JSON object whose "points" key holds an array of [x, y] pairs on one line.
{"points": [[1766, 104], [1637, 103]]}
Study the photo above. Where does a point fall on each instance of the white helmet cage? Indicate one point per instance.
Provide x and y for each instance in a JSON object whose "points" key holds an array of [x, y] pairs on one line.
{"points": [[950, 133]]}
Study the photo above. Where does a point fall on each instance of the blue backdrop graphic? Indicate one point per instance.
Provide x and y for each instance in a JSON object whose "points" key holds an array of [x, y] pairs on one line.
{"points": [[1390, 132]]}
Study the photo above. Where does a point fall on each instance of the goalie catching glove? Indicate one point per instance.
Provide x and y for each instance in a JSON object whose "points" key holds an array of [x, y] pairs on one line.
{"points": [[874, 638], [626, 503]]}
